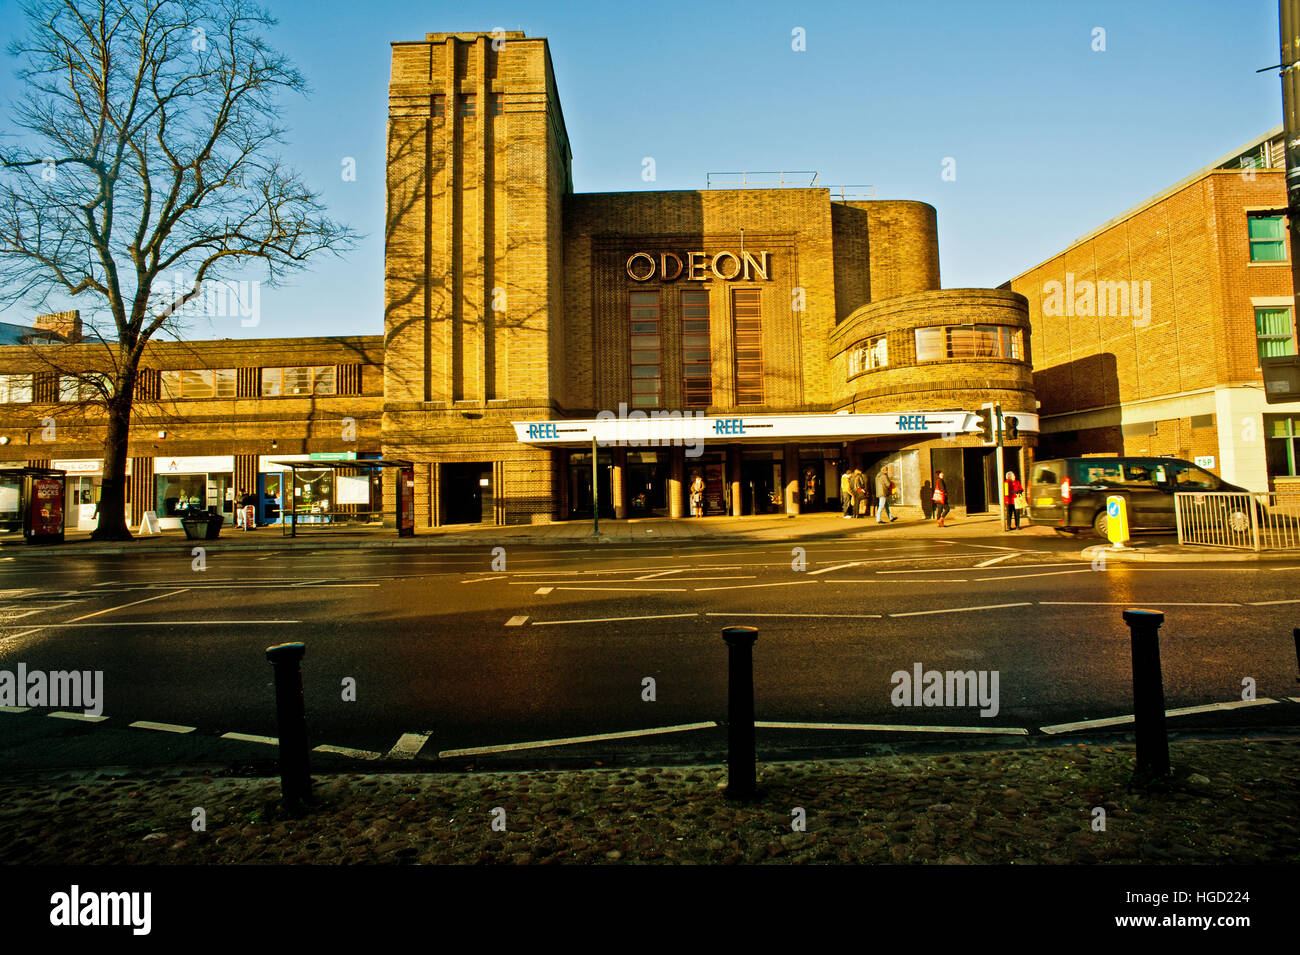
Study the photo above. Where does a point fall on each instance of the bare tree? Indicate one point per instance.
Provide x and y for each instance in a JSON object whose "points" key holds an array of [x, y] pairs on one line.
{"points": [[148, 154]]}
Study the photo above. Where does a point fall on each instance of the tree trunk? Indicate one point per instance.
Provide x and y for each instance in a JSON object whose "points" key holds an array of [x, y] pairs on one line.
{"points": [[112, 505]]}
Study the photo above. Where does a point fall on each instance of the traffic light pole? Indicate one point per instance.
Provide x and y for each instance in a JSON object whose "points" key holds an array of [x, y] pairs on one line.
{"points": [[1001, 480]]}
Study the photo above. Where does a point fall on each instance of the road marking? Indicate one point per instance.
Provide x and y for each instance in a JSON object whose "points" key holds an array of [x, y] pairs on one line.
{"points": [[922, 613], [1128, 603], [1050, 573], [250, 738], [124, 606], [479, 580], [893, 583], [543, 590], [997, 560], [1270, 603], [895, 728], [1183, 711], [162, 727], [787, 583], [656, 616], [571, 740], [81, 717], [940, 570], [827, 570], [161, 623], [660, 573], [14, 709], [630, 590], [837, 616], [517, 621], [346, 751], [408, 745]]}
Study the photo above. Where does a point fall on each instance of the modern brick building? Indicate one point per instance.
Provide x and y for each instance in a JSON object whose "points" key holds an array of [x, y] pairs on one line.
{"points": [[1148, 331], [762, 339]]}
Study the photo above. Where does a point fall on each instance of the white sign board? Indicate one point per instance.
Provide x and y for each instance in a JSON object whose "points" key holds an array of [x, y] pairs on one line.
{"points": [[1204, 461], [194, 465], [351, 489], [149, 523]]}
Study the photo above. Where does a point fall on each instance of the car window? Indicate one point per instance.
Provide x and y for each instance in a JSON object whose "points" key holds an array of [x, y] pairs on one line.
{"points": [[1044, 475], [1099, 474], [1144, 475], [1188, 477]]}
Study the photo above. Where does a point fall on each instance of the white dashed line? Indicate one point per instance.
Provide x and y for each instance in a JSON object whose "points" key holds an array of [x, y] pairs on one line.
{"points": [[631, 590], [14, 709], [517, 621], [124, 606], [408, 745], [346, 751], [922, 613], [81, 717], [657, 616], [479, 580], [571, 740], [997, 560], [895, 728], [835, 616], [1270, 603], [827, 570], [1127, 603], [1182, 711], [162, 727], [788, 583], [543, 590], [250, 738]]}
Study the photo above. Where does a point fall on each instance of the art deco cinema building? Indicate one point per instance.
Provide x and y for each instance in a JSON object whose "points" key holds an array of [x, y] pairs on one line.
{"points": [[765, 339]]}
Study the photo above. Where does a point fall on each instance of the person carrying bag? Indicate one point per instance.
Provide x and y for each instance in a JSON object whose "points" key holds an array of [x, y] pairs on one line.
{"points": [[940, 498]]}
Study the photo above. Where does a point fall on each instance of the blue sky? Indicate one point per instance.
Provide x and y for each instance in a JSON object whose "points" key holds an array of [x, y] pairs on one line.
{"points": [[1050, 138]]}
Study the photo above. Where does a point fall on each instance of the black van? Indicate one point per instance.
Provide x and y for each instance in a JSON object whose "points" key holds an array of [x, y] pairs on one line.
{"points": [[1069, 494]]}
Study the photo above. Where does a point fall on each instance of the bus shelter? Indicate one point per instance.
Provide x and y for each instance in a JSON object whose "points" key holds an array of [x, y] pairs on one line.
{"points": [[31, 501], [334, 494]]}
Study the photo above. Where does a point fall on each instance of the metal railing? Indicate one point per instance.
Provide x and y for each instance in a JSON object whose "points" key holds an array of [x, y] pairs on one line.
{"points": [[1255, 521], [780, 179]]}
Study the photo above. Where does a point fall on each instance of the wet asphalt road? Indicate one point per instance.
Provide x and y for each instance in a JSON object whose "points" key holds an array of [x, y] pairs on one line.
{"points": [[449, 652]]}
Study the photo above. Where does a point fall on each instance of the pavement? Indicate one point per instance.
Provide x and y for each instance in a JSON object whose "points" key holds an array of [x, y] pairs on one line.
{"points": [[1227, 801], [910, 523]]}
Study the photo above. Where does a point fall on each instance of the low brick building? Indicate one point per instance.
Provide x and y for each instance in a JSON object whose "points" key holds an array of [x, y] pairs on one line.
{"points": [[1148, 331]]}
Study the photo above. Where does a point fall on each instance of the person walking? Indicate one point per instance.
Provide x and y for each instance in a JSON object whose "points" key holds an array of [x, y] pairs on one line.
{"points": [[940, 497], [1012, 498], [846, 492], [697, 496], [859, 488], [884, 486]]}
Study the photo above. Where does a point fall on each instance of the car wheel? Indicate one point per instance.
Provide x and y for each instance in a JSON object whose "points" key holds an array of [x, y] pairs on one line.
{"points": [[1239, 521], [1099, 524]]}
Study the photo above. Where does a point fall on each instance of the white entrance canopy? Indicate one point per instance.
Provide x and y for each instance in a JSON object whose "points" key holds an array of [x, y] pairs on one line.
{"points": [[670, 428]]}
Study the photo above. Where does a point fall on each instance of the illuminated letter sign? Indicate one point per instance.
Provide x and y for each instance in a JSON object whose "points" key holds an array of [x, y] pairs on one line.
{"points": [[725, 265]]}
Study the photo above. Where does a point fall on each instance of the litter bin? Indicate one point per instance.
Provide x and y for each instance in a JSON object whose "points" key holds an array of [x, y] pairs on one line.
{"points": [[201, 525]]}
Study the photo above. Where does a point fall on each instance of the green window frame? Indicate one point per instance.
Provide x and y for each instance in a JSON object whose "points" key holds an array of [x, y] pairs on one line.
{"points": [[1267, 237], [1274, 332]]}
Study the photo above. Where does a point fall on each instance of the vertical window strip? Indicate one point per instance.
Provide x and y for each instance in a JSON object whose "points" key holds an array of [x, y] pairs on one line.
{"points": [[747, 318], [697, 359], [645, 350]]}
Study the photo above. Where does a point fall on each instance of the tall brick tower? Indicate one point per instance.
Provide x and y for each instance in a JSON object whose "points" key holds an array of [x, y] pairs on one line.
{"points": [[478, 162]]}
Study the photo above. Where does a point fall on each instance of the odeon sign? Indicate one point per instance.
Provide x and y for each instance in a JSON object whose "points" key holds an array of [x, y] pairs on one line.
{"points": [[643, 266]]}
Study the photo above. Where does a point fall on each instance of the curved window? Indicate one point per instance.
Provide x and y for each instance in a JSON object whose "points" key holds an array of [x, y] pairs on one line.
{"points": [[969, 341], [868, 355]]}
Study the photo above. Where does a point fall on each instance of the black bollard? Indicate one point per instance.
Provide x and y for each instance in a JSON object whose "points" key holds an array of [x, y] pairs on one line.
{"points": [[741, 773], [1148, 694], [291, 717]]}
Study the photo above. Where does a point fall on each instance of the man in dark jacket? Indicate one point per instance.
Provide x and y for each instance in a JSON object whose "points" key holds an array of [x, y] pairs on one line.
{"points": [[859, 486]]}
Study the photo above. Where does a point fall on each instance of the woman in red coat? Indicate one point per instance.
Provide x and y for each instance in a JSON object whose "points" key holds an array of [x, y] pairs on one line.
{"points": [[1011, 489]]}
